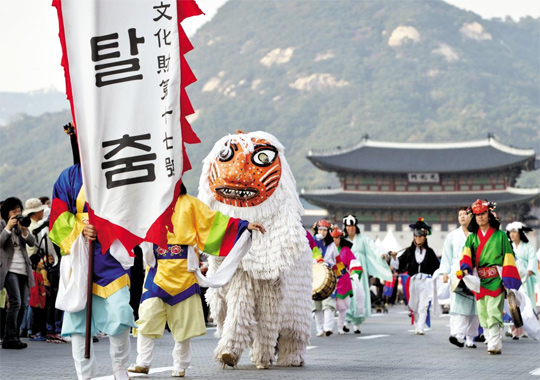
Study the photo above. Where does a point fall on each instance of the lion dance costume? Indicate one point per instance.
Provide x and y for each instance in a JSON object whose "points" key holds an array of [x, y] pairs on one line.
{"points": [[267, 303]]}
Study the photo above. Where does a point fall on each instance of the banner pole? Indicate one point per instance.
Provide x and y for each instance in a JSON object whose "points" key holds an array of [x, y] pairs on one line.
{"points": [[88, 334]]}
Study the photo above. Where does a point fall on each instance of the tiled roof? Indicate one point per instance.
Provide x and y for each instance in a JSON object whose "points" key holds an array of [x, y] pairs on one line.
{"points": [[402, 200], [387, 157]]}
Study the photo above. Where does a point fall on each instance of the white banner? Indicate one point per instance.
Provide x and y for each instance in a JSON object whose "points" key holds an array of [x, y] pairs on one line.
{"points": [[123, 70]]}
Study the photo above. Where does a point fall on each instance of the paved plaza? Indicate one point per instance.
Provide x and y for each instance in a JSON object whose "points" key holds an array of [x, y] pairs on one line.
{"points": [[386, 349]]}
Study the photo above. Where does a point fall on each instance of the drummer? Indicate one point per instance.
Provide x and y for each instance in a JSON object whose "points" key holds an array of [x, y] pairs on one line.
{"points": [[346, 268], [324, 252], [486, 248], [420, 261]]}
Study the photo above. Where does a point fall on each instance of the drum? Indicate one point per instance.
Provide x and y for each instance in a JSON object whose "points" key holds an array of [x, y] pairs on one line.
{"points": [[515, 313], [324, 282]]}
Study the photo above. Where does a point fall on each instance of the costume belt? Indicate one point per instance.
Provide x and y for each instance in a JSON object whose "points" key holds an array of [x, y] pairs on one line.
{"points": [[488, 272]]}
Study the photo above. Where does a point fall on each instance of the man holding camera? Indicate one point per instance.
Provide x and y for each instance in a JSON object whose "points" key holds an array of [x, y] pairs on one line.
{"points": [[15, 269], [35, 209]]}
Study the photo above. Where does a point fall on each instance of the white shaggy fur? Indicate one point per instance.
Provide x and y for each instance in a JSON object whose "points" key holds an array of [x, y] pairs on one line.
{"points": [[269, 297]]}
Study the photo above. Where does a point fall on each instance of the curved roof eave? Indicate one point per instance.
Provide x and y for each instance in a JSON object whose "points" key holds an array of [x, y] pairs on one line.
{"points": [[402, 200]]}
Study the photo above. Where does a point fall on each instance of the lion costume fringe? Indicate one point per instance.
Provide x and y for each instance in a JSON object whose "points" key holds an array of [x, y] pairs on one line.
{"points": [[267, 303]]}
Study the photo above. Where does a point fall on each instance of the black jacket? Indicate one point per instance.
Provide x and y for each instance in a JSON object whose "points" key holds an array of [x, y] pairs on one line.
{"points": [[408, 263]]}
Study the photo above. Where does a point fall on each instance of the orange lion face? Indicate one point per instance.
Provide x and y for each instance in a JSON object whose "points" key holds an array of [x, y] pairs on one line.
{"points": [[245, 179]]}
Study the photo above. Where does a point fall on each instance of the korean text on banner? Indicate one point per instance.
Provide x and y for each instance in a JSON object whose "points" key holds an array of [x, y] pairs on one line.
{"points": [[125, 78]]}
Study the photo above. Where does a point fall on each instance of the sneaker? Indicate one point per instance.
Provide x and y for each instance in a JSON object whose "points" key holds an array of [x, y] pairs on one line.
{"points": [[328, 333], [95, 339], [37, 338], [419, 332], [470, 345], [494, 351], [138, 368], [178, 372], [320, 333], [346, 329]]}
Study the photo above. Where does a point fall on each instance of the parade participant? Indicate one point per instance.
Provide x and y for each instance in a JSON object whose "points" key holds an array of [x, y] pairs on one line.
{"points": [[266, 307], [347, 269], [486, 249], [420, 262], [171, 293], [15, 269], [373, 265], [526, 263], [326, 252], [463, 315], [111, 312]]}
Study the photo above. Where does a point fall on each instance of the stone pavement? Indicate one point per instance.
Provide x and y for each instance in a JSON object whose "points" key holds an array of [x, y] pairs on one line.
{"points": [[386, 349]]}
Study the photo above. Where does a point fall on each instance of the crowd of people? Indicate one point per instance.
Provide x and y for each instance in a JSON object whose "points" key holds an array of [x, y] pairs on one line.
{"points": [[478, 266], [501, 261]]}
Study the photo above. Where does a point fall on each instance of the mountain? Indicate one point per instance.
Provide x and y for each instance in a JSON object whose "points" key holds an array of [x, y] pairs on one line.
{"points": [[320, 74], [35, 103]]}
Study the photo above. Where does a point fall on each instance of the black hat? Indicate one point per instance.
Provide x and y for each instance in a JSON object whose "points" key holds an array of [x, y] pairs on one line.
{"points": [[420, 228]]}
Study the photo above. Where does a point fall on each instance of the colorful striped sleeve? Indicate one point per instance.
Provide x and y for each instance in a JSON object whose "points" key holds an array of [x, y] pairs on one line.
{"points": [[216, 233], [356, 268], [339, 268], [64, 226], [510, 273], [466, 256]]}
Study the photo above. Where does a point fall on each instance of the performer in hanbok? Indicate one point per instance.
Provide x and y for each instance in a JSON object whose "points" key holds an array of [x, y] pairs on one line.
{"points": [[373, 265], [347, 269], [420, 261], [526, 263], [463, 316], [111, 312], [325, 252], [487, 249], [171, 291]]}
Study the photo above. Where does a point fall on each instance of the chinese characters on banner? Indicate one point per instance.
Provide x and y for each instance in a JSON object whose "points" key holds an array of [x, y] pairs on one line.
{"points": [[125, 78]]}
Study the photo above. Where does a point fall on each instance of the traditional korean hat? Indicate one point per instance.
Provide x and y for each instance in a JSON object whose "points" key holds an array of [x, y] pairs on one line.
{"points": [[323, 224], [350, 220], [481, 206], [518, 226], [420, 228], [336, 232]]}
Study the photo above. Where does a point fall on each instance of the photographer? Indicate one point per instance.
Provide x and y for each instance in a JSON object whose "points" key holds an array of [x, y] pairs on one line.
{"points": [[15, 269], [44, 249]]}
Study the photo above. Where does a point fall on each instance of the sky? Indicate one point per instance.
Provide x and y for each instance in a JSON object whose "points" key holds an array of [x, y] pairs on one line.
{"points": [[29, 30]]}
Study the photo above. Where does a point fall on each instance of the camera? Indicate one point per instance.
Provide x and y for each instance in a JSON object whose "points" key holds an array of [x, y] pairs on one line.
{"points": [[23, 220]]}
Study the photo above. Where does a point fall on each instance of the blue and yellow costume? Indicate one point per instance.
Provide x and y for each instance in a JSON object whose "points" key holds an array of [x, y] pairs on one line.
{"points": [[171, 293], [111, 312]]}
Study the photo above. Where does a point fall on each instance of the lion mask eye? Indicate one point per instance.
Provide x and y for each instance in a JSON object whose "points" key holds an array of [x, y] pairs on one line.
{"points": [[264, 157], [226, 154]]}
